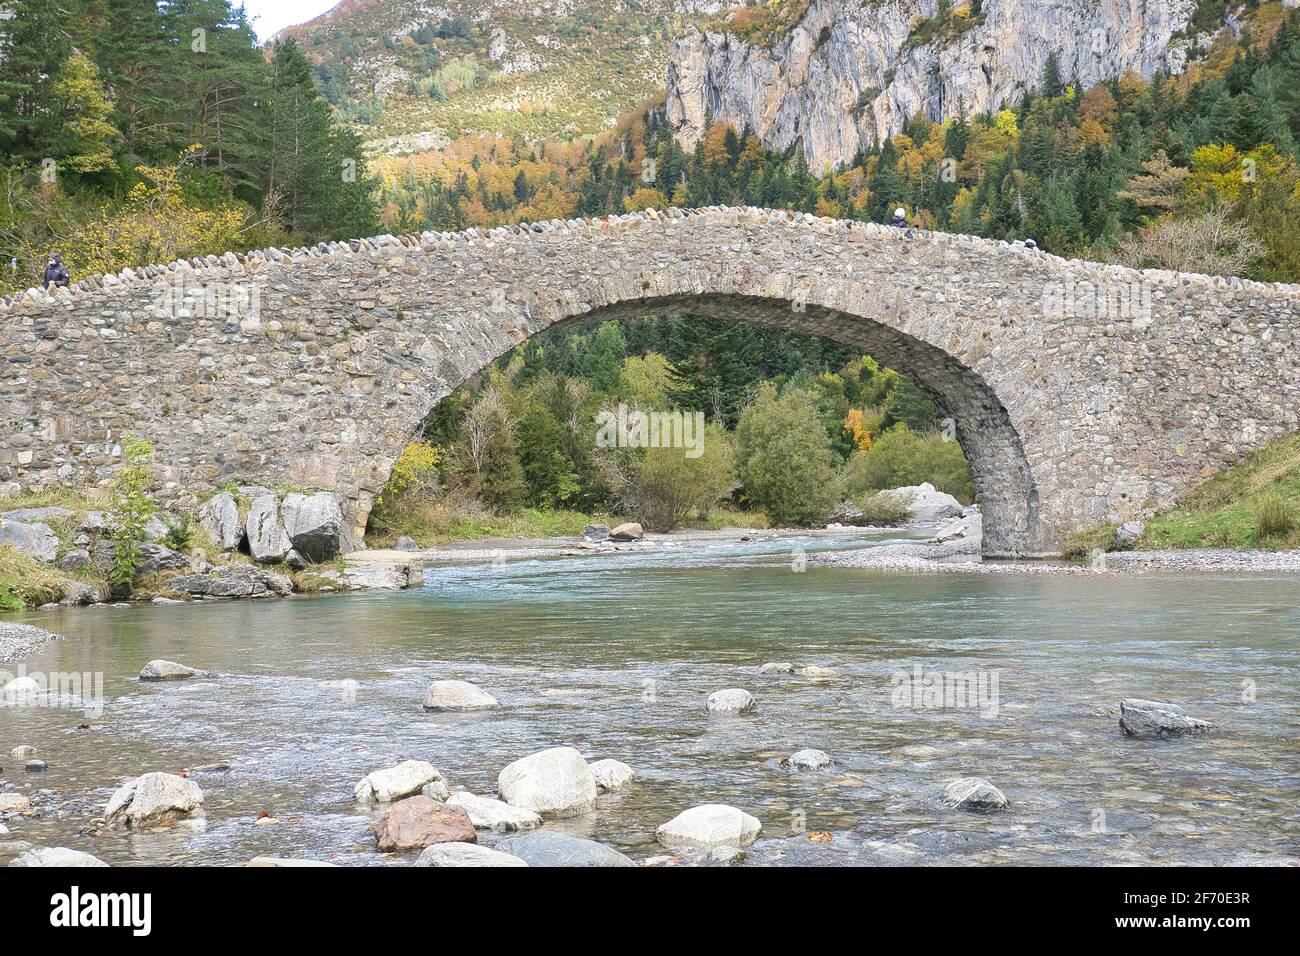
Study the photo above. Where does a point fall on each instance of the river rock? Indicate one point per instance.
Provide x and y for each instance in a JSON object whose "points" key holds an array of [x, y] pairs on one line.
{"points": [[924, 503], [731, 701], [457, 695], [596, 532], [549, 848], [14, 803], [284, 862], [154, 799], [404, 780], [465, 854], [315, 525], [611, 775], [627, 531], [708, 826], [232, 581], [813, 670], [23, 752], [21, 690], [59, 856], [808, 760], [554, 783], [405, 543], [974, 793], [219, 519], [421, 821], [1153, 718], [168, 670], [1126, 535], [267, 540], [726, 856], [74, 560], [488, 814], [777, 667], [35, 540]]}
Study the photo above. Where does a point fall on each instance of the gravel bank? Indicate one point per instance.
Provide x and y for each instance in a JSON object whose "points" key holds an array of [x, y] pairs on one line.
{"points": [[963, 556], [18, 641]]}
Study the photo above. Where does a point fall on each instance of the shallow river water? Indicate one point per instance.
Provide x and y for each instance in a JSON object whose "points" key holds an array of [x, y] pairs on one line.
{"points": [[641, 640]]}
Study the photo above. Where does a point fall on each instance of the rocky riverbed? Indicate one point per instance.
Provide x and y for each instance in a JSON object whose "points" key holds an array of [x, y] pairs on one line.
{"points": [[20, 641]]}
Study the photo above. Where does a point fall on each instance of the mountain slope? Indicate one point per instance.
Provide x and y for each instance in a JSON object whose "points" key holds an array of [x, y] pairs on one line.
{"points": [[415, 74], [837, 76]]}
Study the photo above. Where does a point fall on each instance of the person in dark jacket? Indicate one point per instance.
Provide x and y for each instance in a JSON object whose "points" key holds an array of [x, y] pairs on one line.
{"points": [[900, 218], [55, 272]]}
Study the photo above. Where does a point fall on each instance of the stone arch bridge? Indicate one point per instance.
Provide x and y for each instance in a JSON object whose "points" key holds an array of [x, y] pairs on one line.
{"points": [[1080, 392]]}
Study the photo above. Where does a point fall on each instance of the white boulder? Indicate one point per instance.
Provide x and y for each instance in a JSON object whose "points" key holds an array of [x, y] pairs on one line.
{"points": [[488, 814], [465, 854], [809, 760], [154, 799], [924, 502], [404, 780], [709, 826], [219, 519], [554, 783], [167, 670], [457, 695], [1155, 718], [734, 700], [59, 856], [611, 775], [974, 793], [267, 540], [36, 540]]}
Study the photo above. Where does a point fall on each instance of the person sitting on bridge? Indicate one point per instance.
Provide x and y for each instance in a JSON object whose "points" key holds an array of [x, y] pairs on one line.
{"points": [[900, 218], [56, 274]]}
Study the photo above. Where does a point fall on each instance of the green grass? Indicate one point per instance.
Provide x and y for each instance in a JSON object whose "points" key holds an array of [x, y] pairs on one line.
{"points": [[1252, 505], [26, 582]]}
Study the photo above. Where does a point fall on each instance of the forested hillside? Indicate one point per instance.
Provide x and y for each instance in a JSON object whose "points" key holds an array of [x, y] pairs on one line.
{"points": [[133, 133]]}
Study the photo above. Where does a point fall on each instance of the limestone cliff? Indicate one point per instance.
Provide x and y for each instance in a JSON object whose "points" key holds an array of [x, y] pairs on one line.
{"points": [[849, 72]]}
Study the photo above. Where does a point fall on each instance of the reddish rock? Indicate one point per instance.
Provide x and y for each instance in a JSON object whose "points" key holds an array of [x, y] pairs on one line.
{"points": [[418, 822]]}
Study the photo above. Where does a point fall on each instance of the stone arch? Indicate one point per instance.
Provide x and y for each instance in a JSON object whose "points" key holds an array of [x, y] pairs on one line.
{"points": [[1004, 483]]}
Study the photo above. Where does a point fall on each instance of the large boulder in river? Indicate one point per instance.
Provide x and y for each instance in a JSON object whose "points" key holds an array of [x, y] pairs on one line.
{"points": [[488, 814], [465, 854], [406, 779], [611, 775], [974, 793], [219, 518], [418, 822], [232, 581], [457, 695], [924, 502], [548, 848], [153, 800], [36, 540], [1154, 718], [168, 670], [315, 525], [708, 826], [733, 700], [554, 783], [267, 540], [627, 531], [59, 856]]}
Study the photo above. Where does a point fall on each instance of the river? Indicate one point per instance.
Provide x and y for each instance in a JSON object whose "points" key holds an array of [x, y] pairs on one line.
{"points": [[637, 642]]}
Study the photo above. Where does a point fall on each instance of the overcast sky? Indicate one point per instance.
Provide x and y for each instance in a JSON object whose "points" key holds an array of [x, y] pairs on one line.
{"points": [[271, 15]]}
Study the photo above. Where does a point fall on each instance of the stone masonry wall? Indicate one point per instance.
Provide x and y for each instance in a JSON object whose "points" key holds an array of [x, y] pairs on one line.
{"points": [[1080, 392]]}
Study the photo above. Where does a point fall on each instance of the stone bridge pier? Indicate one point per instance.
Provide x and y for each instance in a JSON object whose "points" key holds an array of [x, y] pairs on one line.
{"points": [[1080, 392]]}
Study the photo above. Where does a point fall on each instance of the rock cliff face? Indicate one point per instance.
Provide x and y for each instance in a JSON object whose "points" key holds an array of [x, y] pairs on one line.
{"points": [[851, 72]]}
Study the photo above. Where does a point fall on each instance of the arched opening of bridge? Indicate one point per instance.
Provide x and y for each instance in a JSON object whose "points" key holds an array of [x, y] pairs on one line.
{"points": [[672, 341]]}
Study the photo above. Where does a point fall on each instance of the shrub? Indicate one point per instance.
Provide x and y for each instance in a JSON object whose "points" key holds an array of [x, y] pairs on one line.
{"points": [[784, 457], [901, 457], [131, 509], [880, 509], [662, 486], [1276, 518]]}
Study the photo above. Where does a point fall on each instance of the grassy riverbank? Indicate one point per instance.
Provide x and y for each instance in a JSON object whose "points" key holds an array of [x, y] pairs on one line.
{"points": [[1254, 505], [439, 523]]}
